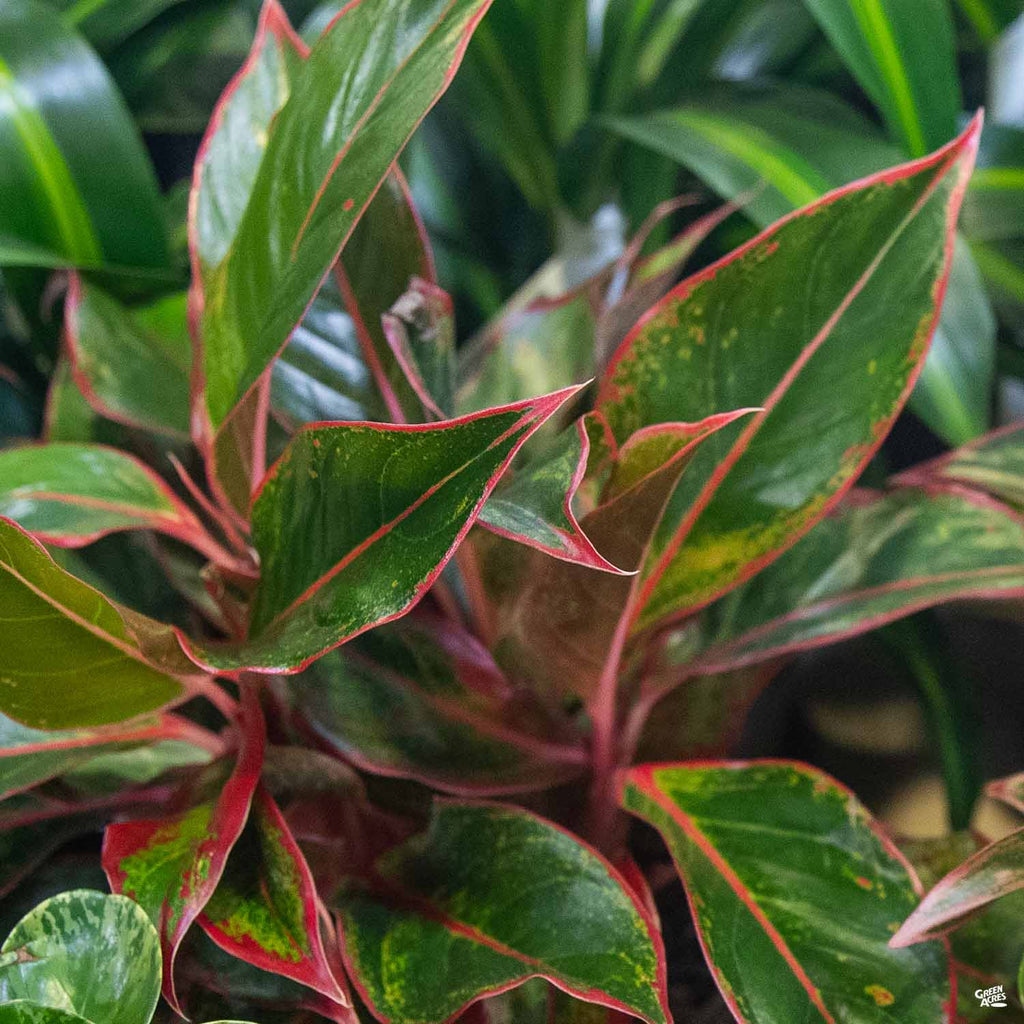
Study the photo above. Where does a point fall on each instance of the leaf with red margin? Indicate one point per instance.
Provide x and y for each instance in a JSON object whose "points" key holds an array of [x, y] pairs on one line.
{"points": [[390, 503], [265, 909], [131, 363], [830, 348], [69, 657], [992, 872], [31, 756], [993, 464], [171, 866], [368, 82], [536, 508], [70, 495], [565, 622], [794, 890], [421, 698], [488, 897], [877, 558], [420, 331], [1008, 790], [223, 178]]}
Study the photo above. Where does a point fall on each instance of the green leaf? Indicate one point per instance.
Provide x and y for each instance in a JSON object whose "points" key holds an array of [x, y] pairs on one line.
{"points": [[131, 363], [896, 230], [563, 64], [171, 866], [801, 142], [486, 898], [69, 658], [993, 464], [57, 146], [993, 872], [389, 70], [536, 509], [795, 892], [105, 23], [68, 417], [422, 699], [994, 205], [904, 58], [24, 1011], [85, 953], [72, 494], [30, 756], [265, 909], [564, 622], [369, 561], [878, 558]]}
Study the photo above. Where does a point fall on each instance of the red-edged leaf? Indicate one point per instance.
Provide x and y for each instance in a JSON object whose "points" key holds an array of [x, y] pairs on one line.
{"points": [[487, 898], [846, 290], [223, 178], [368, 561], [70, 494], [1009, 790], [995, 871], [877, 558], [421, 698], [993, 464], [369, 80], [795, 892], [420, 331], [536, 508], [171, 866], [69, 657], [265, 909], [31, 756], [567, 623]]}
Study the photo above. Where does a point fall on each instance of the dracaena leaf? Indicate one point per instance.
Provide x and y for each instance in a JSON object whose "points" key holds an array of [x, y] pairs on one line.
{"points": [[30, 756], [993, 207], [904, 59], [171, 866], [389, 68], [498, 896], [877, 558], [131, 363], [70, 494], [57, 206], [785, 869], [995, 871], [265, 909], [536, 509], [87, 953], [368, 561], [898, 229], [70, 658], [564, 621], [993, 464], [423, 699]]}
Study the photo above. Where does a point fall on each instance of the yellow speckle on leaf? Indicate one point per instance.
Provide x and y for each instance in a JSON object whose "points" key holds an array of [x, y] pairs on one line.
{"points": [[881, 995], [872, 366]]}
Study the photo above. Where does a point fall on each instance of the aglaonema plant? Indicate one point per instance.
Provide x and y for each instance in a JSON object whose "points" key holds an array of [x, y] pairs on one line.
{"points": [[387, 768]]}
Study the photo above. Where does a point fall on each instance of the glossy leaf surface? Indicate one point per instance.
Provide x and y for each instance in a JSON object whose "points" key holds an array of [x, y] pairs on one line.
{"points": [[69, 658], [904, 59], [423, 699], [30, 756], [324, 159], [57, 146], [369, 561], [875, 559], [497, 896], [72, 494], [171, 866], [536, 509], [898, 231], [132, 364], [798, 143], [995, 871], [265, 909], [85, 953], [25, 1011], [794, 890]]}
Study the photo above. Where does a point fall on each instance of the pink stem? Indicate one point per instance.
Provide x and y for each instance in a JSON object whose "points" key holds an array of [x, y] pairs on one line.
{"points": [[233, 536]]}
